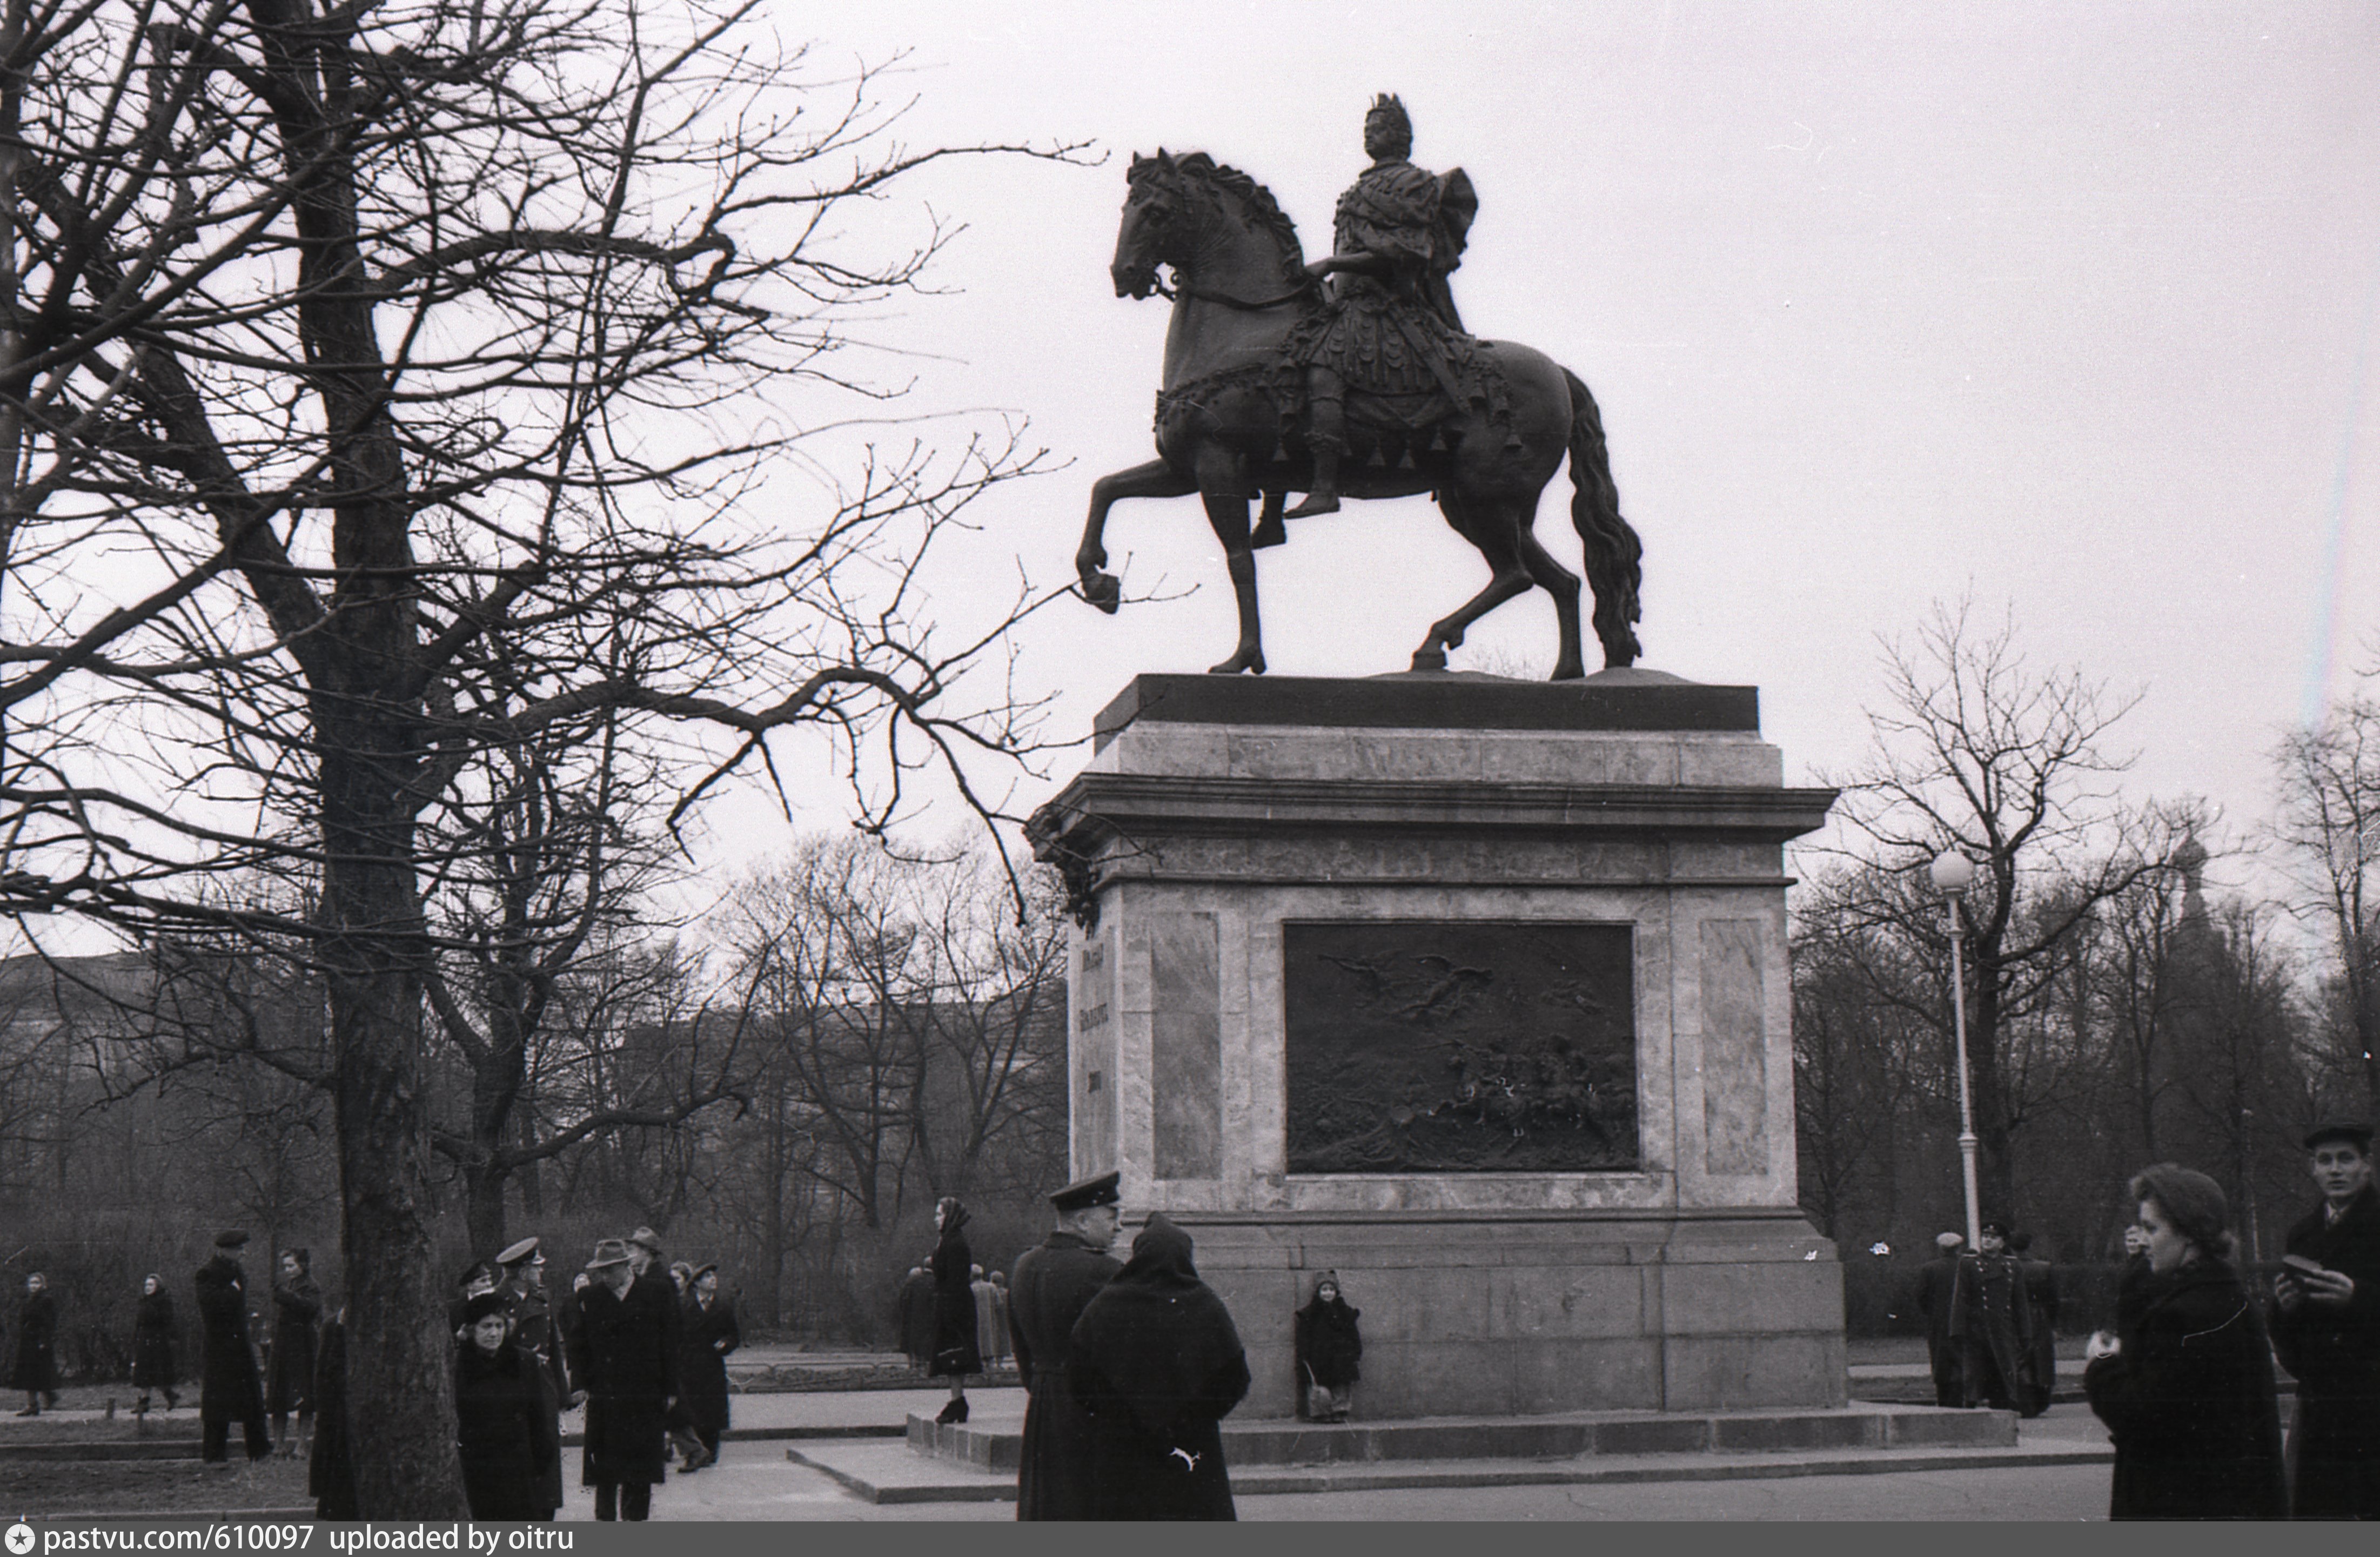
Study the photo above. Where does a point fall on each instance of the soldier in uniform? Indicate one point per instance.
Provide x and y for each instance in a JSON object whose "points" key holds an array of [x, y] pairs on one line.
{"points": [[2327, 1329], [1991, 1318], [230, 1386], [1390, 327], [534, 1331], [1052, 1287]]}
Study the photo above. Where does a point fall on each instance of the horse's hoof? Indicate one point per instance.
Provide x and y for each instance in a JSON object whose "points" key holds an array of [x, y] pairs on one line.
{"points": [[1251, 662], [1571, 671], [1429, 659], [1104, 590]]}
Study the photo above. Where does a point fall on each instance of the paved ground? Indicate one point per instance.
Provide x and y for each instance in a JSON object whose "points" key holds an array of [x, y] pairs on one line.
{"points": [[755, 1481]]}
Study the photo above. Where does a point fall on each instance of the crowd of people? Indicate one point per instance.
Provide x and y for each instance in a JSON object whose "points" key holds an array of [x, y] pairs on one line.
{"points": [[1130, 1368], [2184, 1380], [641, 1342]]}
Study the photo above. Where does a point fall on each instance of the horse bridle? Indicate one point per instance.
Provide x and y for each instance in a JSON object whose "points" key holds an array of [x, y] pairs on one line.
{"points": [[1304, 285]]}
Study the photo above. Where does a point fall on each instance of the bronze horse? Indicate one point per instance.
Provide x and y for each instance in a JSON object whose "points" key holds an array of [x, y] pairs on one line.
{"points": [[1239, 286]]}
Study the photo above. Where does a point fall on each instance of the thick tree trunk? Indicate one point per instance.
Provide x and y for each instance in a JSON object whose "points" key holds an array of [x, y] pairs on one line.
{"points": [[483, 1188], [399, 1356]]}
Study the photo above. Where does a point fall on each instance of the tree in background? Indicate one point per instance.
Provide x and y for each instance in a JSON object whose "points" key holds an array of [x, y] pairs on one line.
{"points": [[1976, 752], [2328, 829], [381, 387]]}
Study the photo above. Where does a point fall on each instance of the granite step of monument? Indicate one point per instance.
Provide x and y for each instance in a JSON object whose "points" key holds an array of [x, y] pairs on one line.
{"points": [[995, 1444], [108, 1449], [886, 1473]]}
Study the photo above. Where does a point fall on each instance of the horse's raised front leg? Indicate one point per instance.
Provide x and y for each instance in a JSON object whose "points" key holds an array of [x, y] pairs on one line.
{"points": [[1228, 515], [1155, 479]]}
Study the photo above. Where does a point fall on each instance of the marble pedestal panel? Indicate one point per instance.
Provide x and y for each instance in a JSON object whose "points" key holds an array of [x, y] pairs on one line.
{"points": [[1673, 1274]]}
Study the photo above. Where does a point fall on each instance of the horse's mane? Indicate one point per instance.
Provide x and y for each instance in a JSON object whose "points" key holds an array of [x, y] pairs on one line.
{"points": [[1259, 202]]}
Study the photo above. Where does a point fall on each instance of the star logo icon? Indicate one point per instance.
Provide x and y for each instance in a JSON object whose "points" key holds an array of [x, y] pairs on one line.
{"points": [[20, 1539]]}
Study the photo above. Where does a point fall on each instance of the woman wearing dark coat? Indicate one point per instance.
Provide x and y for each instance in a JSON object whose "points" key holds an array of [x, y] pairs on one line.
{"points": [[1158, 1365], [709, 1332], [152, 1345], [503, 1429], [2186, 1387], [296, 1304], [956, 1352], [1328, 1346], [36, 1347], [330, 1474]]}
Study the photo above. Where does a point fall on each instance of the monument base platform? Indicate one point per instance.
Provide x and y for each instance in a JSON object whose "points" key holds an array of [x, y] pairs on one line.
{"points": [[977, 1462]]}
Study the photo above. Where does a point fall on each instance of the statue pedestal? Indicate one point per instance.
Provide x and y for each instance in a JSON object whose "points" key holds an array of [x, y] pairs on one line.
{"points": [[1475, 991]]}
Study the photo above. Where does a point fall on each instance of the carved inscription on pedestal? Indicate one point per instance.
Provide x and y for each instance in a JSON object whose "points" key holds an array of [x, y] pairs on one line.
{"points": [[1460, 1047]]}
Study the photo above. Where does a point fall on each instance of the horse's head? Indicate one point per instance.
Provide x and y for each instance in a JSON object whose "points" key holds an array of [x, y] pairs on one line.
{"points": [[1150, 232]]}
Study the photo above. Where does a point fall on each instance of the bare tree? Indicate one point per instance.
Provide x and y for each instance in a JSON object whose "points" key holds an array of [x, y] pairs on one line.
{"points": [[2328, 827], [383, 384], [1976, 752]]}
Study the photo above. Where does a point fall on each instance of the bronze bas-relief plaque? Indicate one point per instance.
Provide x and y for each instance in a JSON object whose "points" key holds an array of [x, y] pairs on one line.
{"points": [[1461, 1046]]}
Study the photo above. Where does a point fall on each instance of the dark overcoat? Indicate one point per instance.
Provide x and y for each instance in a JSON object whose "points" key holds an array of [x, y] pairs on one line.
{"points": [[917, 1317], [625, 1356], [535, 1332], [710, 1334], [1328, 1343], [957, 1351], [1991, 1318], [503, 1433], [296, 1307], [1048, 1291], [2189, 1403], [2041, 1357], [329, 1470], [37, 1344], [233, 1391], [1937, 1287], [152, 1341], [2334, 1354], [1158, 1364]]}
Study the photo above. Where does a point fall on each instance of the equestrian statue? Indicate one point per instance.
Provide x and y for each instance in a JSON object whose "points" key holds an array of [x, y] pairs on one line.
{"points": [[1352, 377]]}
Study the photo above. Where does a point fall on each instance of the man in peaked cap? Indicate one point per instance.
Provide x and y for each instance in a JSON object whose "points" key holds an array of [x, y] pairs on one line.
{"points": [[534, 1331], [1052, 1287], [230, 1386], [2327, 1329]]}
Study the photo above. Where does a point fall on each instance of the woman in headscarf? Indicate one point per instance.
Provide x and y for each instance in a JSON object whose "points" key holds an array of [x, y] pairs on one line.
{"points": [[1328, 1346], [1157, 1363], [2186, 1386], [502, 1425], [297, 1305], [153, 1346], [956, 1353]]}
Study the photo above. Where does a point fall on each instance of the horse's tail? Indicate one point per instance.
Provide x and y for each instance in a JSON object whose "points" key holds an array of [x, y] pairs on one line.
{"points": [[1614, 554]]}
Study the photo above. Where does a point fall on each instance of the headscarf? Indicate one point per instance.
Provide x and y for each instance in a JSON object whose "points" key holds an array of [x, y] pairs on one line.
{"points": [[1155, 1332]]}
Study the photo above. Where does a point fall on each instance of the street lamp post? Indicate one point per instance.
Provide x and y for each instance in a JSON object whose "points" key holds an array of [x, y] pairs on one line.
{"points": [[1953, 873]]}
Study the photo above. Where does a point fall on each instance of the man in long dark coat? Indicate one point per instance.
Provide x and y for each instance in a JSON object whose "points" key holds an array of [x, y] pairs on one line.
{"points": [[37, 1346], [534, 1331], [1992, 1320], [625, 1357], [1937, 1286], [1052, 1287], [231, 1388], [2327, 1329]]}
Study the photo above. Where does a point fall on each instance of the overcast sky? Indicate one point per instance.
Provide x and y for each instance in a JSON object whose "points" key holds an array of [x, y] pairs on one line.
{"points": [[2071, 307]]}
